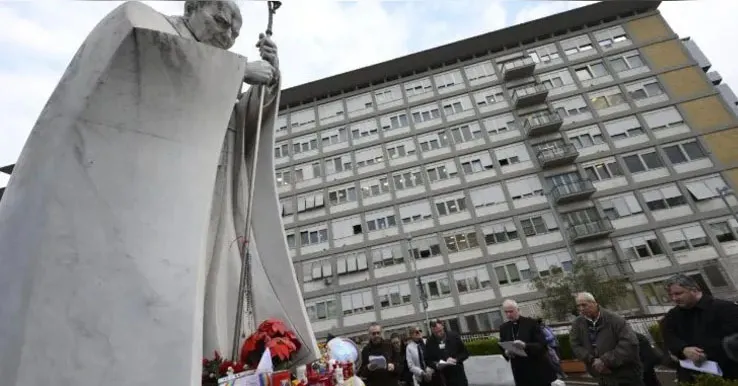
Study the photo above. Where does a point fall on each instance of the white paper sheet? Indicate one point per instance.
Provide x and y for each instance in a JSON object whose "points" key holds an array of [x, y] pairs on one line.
{"points": [[378, 361], [709, 367]]}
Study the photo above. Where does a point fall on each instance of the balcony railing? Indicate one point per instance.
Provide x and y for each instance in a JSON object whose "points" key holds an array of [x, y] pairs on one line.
{"points": [[542, 123], [573, 191], [590, 230], [518, 68], [530, 95], [557, 156]]}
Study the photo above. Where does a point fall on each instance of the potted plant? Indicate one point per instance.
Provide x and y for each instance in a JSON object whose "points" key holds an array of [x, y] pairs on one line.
{"points": [[213, 369], [274, 335]]}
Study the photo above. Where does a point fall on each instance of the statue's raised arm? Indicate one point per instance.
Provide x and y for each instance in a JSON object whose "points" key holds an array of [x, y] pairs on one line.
{"points": [[118, 226]]}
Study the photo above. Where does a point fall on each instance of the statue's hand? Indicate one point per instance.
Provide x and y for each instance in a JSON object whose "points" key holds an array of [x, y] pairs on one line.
{"points": [[268, 50], [259, 73]]}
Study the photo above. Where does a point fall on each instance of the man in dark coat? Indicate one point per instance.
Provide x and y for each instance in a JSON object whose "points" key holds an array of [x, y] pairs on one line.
{"points": [[378, 346], [534, 369], [606, 344], [446, 353], [650, 359], [696, 327]]}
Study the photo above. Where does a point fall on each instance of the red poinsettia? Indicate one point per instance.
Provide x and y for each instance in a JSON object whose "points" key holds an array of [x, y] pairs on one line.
{"points": [[215, 368], [272, 334]]}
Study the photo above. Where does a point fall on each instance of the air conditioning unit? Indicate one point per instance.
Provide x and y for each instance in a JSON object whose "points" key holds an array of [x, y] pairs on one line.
{"points": [[328, 281]]}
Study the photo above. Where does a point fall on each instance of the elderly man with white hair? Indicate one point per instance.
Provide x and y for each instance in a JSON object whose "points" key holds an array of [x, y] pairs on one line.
{"points": [[607, 345], [533, 369]]}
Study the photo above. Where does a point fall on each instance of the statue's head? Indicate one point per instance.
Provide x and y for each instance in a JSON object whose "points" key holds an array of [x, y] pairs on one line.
{"points": [[216, 23]]}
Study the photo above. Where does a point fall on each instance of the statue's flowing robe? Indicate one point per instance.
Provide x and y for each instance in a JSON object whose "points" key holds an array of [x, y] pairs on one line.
{"points": [[111, 225]]}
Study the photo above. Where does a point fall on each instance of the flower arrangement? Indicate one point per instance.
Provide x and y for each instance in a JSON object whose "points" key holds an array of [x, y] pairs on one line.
{"points": [[272, 334]]}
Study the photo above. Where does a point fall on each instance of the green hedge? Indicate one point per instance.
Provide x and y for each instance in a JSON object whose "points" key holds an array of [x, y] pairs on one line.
{"points": [[565, 347], [484, 347], [709, 380]]}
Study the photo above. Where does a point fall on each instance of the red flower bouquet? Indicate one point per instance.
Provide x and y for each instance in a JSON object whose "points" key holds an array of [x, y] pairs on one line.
{"points": [[272, 334], [213, 369]]}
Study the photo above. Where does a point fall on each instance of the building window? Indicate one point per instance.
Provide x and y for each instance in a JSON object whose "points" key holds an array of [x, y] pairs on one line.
{"points": [[359, 102], [281, 150], [388, 94], [346, 227], [555, 79], [387, 255], [480, 71], [513, 272], [290, 239], [538, 224], [552, 262], [314, 235], [284, 177], [368, 157], [357, 302], [585, 137], [644, 89], [489, 195], [643, 161], [400, 149], [342, 195], [511, 155], [476, 163], [433, 141], [306, 172], [374, 187], [382, 219], [576, 45], [574, 108], [441, 171], [338, 164], [407, 179], [425, 113], [334, 136], [591, 71], [465, 133], [426, 247], [604, 261], [288, 207], [663, 118], [525, 187], [500, 124], [281, 124], [609, 97], [318, 310], [317, 270], [641, 246], [364, 129], [418, 87], [627, 61], [489, 96], [684, 152], [545, 55], [461, 240], [456, 105], [620, 206], [351, 263], [436, 286], [664, 197], [624, 128], [500, 232], [611, 36], [455, 203], [685, 237], [705, 188], [604, 169], [330, 110], [310, 201], [472, 279], [725, 230], [580, 217], [656, 294], [416, 212], [448, 79], [483, 322], [393, 295], [394, 121], [302, 118]]}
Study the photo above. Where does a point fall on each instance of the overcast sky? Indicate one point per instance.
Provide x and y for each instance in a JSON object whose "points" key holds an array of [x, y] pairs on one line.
{"points": [[316, 39]]}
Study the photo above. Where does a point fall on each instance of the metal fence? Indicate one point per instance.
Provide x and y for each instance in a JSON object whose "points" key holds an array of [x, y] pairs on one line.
{"points": [[640, 324]]}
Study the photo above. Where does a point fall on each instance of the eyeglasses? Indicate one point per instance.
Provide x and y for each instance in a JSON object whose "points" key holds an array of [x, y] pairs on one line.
{"points": [[375, 333]]}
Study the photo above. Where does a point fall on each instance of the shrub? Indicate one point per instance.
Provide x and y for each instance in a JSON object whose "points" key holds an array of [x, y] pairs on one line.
{"points": [[484, 347], [709, 380], [565, 347], [655, 331]]}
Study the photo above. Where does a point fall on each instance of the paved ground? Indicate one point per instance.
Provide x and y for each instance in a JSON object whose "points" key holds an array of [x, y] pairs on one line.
{"points": [[667, 377]]}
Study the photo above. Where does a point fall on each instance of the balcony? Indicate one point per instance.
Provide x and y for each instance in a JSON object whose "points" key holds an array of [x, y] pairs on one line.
{"points": [[529, 96], [557, 156], [573, 191], [542, 123], [590, 231], [518, 68]]}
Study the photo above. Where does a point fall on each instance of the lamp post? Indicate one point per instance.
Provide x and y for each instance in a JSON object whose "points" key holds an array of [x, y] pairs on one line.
{"points": [[724, 192], [423, 296]]}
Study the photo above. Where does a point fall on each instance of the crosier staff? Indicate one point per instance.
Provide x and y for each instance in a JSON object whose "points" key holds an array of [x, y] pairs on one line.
{"points": [[244, 293]]}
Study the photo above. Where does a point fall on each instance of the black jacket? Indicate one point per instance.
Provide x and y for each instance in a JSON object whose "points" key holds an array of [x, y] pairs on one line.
{"points": [[536, 368], [704, 326], [450, 346], [380, 377]]}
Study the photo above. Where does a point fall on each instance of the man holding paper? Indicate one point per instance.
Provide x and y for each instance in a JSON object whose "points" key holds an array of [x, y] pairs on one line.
{"points": [[446, 354], [694, 330], [380, 364], [525, 348]]}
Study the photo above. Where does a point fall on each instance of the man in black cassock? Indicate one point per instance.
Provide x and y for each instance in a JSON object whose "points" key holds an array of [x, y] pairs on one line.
{"points": [[535, 369], [446, 353]]}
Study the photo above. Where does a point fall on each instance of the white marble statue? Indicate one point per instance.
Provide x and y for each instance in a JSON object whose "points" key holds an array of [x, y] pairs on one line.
{"points": [[120, 226]]}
